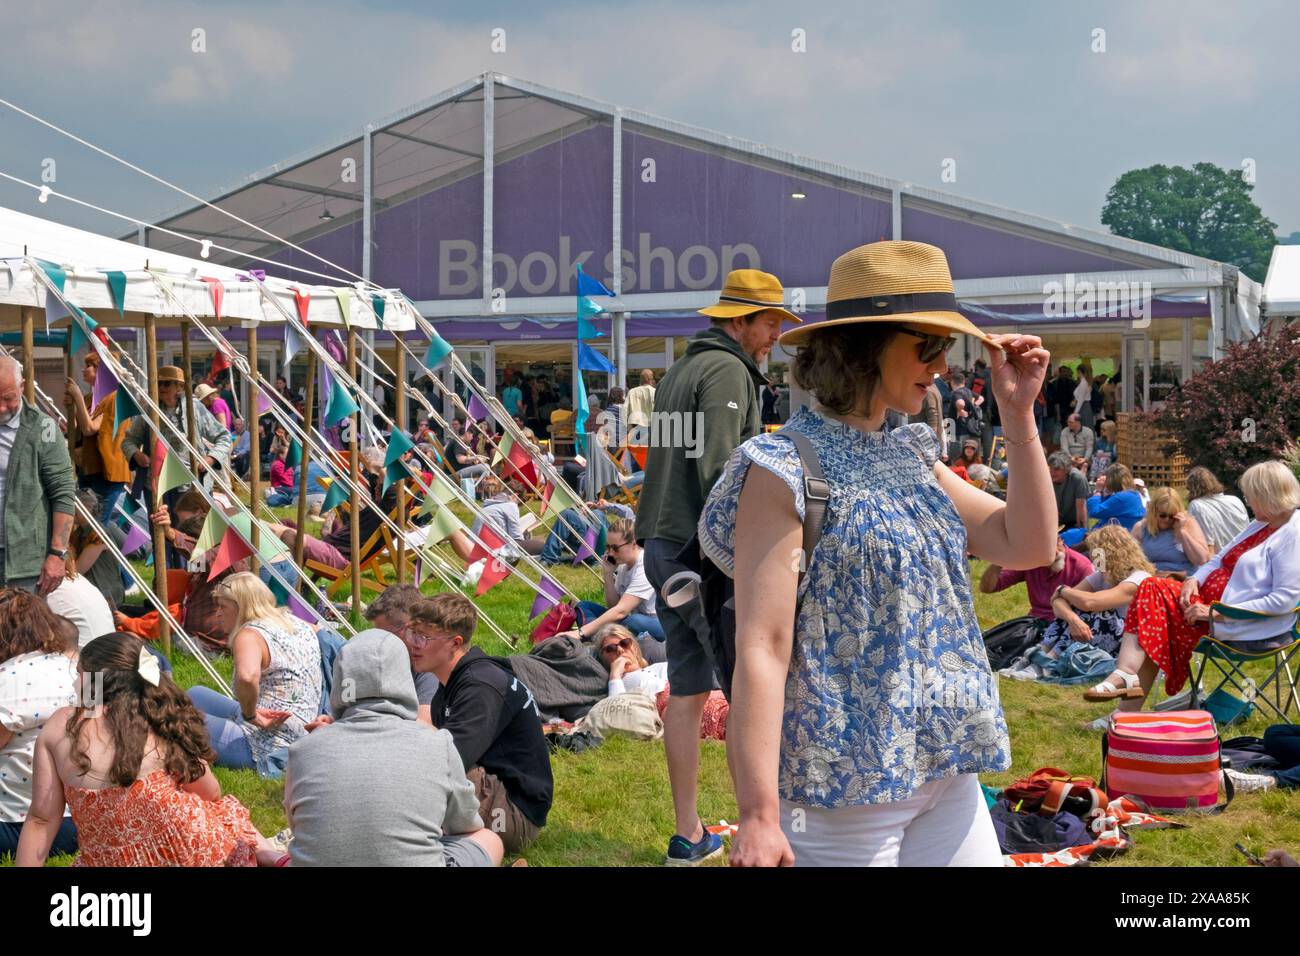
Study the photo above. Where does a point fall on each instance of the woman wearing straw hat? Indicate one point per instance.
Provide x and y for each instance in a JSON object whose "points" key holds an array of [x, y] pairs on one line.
{"points": [[863, 706]]}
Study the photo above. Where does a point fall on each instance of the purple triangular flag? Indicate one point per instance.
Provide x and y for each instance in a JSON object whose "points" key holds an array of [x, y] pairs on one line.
{"points": [[477, 410], [105, 384], [300, 610], [588, 548], [549, 594], [263, 402], [135, 539]]}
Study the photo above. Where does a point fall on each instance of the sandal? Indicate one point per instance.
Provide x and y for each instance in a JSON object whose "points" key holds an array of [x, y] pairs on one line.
{"points": [[1132, 689]]}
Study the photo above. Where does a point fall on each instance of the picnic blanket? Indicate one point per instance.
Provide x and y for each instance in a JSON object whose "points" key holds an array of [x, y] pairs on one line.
{"points": [[566, 680], [1110, 826]]}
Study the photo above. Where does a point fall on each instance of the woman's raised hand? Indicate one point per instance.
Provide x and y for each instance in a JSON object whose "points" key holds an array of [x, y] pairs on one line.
{"points": [[1018, 369]]}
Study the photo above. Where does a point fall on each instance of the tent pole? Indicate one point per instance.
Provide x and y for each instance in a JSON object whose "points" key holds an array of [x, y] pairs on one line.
{"points": [[159, 540], [254, 424], [73, 429], [399, 395], [187, 401], [29, 358], [354, 468], [300, 539]]}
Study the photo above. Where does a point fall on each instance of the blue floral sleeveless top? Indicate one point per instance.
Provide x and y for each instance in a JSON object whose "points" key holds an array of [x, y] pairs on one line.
{"points": [[889, 685]]}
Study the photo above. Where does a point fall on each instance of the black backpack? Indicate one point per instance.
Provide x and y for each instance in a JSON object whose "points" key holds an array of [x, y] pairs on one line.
{"points": [[715, 592]]}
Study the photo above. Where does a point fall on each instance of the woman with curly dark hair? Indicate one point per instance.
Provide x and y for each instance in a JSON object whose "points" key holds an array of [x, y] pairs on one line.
{"points": [[38, 675], [131, 758]]}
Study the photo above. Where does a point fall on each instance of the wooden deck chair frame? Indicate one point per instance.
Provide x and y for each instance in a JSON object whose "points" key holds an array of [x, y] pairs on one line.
{"points": [[1228, 661], [382, 550]]}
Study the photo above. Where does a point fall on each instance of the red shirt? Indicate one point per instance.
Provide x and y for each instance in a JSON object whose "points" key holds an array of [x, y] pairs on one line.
{"points": [[1041, 582]]}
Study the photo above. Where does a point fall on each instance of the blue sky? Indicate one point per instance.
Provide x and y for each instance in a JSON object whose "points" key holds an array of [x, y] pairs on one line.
{"points": [[1013, 92]]}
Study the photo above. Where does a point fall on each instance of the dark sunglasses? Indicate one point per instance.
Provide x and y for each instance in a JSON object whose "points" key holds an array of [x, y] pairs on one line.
{"points": [[932, 346], [1163, 515], [623, 645]]}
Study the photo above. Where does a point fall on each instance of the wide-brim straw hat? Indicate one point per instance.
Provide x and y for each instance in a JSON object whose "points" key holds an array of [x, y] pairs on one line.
{"points": [[747, 291], [203, 391], [170, 373], [891, 281]]}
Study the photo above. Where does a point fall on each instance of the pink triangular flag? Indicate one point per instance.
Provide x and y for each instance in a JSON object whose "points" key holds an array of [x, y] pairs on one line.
{"points": [[231, 550], [218, 291], [303, 301]]}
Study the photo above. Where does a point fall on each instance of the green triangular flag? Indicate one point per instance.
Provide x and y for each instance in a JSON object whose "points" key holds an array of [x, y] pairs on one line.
{"points": [[503, 450], [377, 303], [214, 526], [334, 496], [294, 458], [269, 546], [117, 289], [398, 445], [345, 305], [442, 526], [172, 475], [341, 404], [124, 407], [439, 494], [563, 497]]}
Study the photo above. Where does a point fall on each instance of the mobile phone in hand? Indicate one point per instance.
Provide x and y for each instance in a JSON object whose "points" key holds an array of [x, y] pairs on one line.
{"points": [[1256, 861]]}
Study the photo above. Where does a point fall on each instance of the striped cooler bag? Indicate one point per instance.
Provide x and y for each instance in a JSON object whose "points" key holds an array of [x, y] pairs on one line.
{"points": [[1168, 760]]}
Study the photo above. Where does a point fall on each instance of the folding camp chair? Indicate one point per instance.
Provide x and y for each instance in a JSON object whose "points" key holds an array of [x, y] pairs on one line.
{"points": [[1229, 660], [380, 550]]}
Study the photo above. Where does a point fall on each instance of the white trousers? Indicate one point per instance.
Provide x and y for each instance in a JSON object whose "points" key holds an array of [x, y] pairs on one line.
{"points": [[943, 823]]}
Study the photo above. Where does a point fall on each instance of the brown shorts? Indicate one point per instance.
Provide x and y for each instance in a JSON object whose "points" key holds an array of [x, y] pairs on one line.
{"points": [[499, 815]]}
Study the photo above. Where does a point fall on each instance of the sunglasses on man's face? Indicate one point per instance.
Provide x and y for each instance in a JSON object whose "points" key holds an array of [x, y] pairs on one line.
{"points": [[613, 648], [932, 346]]}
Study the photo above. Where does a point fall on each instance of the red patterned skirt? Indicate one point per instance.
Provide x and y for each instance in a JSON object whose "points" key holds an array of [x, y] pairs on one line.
{"points": [[1157, 620]]}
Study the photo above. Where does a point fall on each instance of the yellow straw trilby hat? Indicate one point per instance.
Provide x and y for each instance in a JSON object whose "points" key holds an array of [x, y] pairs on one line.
{"points": [[747, 291], [890, 281]]}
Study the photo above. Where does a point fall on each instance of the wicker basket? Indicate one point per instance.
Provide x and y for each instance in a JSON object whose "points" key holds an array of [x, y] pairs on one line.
{"points": [[1142, 448]]}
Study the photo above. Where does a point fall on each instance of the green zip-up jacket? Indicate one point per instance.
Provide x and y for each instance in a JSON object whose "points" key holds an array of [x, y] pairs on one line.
{"points": [[706, 405], [38, 483]]}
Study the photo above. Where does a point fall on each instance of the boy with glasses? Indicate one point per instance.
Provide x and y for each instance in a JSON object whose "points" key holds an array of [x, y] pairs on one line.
{"points": [[490, 714]]}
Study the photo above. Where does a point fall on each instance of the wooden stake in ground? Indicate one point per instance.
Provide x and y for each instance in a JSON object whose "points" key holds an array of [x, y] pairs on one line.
{"points": [[254, 443], [187, 400], [300, 539], [29, 358], [159, 540], [354, 465]]}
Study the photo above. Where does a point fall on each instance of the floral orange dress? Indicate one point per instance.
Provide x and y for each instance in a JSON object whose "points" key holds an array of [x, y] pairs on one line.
{"points": [[1157, 620], [154, 822]]}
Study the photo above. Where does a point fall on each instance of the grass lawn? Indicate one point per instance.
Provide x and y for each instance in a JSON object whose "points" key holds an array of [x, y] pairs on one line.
{"points": [[613, 808]]}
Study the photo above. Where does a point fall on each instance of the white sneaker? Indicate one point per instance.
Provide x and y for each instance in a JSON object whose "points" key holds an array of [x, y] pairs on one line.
{"points": [[1101, 724], [133, 591], [1250, 782]]}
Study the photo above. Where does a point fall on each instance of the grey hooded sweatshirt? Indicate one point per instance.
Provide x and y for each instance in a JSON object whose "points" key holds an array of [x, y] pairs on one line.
{"points": [[375, 788]]}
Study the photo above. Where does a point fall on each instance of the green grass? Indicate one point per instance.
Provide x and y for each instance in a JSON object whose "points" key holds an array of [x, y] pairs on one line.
{"points": [[613, 806]]}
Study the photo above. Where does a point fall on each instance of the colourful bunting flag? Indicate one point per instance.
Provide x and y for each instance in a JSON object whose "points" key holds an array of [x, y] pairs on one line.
{"points": [[293, 343], [294, 458], [136, 538], [76, 337], [588, 547], [398, 445], [437, 351], [443, 525], [548, 595], [335, 495], [377, 303], [105, 383], [218, 291], [583, 410], [494, 572], [231, 550], [172, 475], [503, 449], [263, 402], [214, 526], [124, 407], [340, 405], [303, 301], [117, 289], [394, 472], [477, 410], [440, 493], [590, 286], [345, 305], [487, 545]]}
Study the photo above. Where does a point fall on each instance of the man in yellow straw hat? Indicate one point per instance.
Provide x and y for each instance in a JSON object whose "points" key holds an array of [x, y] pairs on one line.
{"points": [[709, 402]]}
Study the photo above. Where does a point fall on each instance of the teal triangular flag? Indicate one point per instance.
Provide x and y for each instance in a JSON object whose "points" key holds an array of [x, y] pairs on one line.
{"points": [[394, 472], [57, 275], [586, 309], [437, 352], [294, 458], [341, 404], [334, 497], [398, 445], [124, 407], [76, 338], [377, 303], [117, 288]]}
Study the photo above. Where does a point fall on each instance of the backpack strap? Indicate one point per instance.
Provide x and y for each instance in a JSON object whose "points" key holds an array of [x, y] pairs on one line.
{"points": [[816, 496]]}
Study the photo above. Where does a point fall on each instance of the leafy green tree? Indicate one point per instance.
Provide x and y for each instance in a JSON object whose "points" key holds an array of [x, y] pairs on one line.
{"points": [[1205, 211]]}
